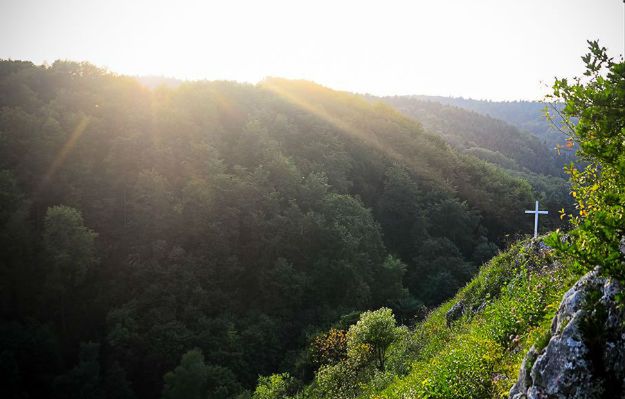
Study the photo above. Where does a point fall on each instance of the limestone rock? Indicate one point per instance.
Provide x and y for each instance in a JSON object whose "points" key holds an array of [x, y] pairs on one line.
{"points": [[520, 388], [454, 313], [585, 357]]}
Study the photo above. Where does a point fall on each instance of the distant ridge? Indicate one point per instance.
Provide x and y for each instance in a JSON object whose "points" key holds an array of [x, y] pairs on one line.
{"points": [[526, 115], [154, 81]]}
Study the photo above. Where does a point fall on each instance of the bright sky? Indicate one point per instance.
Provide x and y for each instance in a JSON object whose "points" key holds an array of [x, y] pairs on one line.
{"points": [[485, 49]]}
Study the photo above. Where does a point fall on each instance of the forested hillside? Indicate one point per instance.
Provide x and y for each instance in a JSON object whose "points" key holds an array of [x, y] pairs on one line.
{"points": [[520, 153], [483, 136], [528, 116], [543, 319], [239, 220]]}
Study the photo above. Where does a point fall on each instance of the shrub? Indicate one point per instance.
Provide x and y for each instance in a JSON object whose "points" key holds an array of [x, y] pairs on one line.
{"points": [[594, 119], [376, 330], [276, 386]]}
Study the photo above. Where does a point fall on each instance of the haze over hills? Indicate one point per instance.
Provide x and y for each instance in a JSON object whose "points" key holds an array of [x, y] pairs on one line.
{"points": [[520, 153], [487, 138], [155, 81], [528, 116], [513, 149], [483, 136]]}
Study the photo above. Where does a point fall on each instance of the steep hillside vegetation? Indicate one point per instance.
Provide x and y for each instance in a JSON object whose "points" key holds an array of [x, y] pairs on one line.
{"points": [[238, 220], [470, 347]]}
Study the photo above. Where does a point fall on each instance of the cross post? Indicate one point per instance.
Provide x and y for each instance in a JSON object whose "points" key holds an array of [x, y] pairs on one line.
{"points": [[536, 212]]}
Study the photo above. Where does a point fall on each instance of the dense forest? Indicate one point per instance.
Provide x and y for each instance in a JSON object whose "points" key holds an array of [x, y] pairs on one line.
{"points": [[229, 223], [520, 153], [484, 136]]}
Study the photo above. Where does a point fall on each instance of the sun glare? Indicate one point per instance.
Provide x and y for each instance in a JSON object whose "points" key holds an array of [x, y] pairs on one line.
{"points": [[65, 151], [446, 47]]}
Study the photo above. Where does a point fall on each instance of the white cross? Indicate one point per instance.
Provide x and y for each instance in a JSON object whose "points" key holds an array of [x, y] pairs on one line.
{"points": [[536, 213]]}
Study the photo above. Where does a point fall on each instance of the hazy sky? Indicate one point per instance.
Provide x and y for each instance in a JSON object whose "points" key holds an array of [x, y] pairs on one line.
{"points": [[496, 49]]}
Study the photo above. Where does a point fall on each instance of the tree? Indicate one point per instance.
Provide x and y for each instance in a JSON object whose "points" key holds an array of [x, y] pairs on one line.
{"points": [[329, 348], [150, 206], [398, 210], [594, 119], [69, 247], [439, 270], [276, 386], [189, 379], [388, 288], [367, 344], [15, 241], [484, 251], [376, 330], [84, 381], [453, 220], [116, 383], [69, 250]]}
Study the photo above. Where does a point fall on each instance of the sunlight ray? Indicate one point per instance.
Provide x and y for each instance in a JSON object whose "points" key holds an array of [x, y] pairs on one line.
{"points": [[66, 150], [302, 102]]}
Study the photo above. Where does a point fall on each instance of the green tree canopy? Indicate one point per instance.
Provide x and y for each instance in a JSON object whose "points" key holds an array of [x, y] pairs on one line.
{"points": [[69, 248], [188, 380], [377, 330]]}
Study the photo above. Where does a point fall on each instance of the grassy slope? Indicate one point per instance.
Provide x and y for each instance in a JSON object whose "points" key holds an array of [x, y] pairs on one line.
{"points": [[512, 302]]}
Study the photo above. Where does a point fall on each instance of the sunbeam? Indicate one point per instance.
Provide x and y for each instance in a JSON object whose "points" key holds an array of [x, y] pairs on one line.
{"points": [[65, 150]]}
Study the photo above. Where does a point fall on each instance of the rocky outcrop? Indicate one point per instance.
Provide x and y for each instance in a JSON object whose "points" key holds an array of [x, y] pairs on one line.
{"points": [[585, 356], [454, 313]]}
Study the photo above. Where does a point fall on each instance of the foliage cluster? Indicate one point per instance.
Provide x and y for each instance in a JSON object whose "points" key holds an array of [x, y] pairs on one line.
{"points": [[594, 118], [329, 347], [276, 386], [369, 342]]}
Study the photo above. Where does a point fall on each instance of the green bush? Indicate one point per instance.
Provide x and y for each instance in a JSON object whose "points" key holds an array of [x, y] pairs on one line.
{"points": [[276, 386], [594, 119], [375, 330]]}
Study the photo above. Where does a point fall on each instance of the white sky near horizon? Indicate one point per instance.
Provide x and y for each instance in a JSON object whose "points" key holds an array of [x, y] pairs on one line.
{"points": [[484, 49]]}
